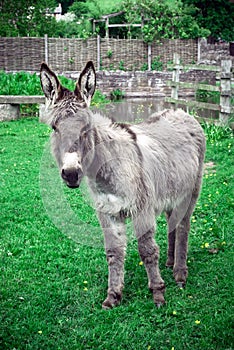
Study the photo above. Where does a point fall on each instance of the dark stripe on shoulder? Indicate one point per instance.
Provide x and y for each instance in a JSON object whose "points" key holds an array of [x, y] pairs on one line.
{"points": [[127, 127], [156, 117]]}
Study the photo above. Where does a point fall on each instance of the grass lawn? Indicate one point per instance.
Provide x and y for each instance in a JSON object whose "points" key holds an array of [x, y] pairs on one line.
{"points": [[54, 279]]}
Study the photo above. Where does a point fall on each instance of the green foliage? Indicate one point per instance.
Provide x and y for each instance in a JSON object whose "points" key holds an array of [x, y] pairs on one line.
{"points": [[99, 99], [23, 83], [156, 64], [166, 19], [27, 18], [144, 67], [67, 29], [217, 16], [92, 9], [116, 94], [20, 83], [27, 84], [109, 53], [163, 20], [208, 96], [52, 287], [121, 65], [216, 135]]}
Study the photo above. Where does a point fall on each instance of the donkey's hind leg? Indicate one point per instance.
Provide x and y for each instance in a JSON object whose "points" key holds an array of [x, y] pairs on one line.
{"points": [[115, 246], [180, 269], [171, 241]]}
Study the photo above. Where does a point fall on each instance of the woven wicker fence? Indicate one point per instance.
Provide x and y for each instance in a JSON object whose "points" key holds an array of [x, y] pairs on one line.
{"points": [[26, 54]]}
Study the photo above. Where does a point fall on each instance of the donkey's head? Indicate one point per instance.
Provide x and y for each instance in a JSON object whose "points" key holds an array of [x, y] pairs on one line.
{"points": [[68, 114]]}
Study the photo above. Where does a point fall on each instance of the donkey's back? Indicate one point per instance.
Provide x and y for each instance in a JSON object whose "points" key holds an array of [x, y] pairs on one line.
{"points": [[172, 144]]}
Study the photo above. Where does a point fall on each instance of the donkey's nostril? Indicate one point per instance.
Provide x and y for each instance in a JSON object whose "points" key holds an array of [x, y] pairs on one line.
{"points": [[63, 174], [70, 176]]}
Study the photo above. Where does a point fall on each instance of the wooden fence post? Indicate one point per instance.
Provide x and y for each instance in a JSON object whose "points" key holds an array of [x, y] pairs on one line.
{"points": [[46, 48], [225, 91], [98, 53], [149, 57], [175, 77]]}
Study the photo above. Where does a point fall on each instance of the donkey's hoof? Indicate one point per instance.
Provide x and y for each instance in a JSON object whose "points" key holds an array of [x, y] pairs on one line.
{"points": [[181, 284], [158, 298], [169, 265], [180, 276], [111, 301], [170, 262], [160, 305]]}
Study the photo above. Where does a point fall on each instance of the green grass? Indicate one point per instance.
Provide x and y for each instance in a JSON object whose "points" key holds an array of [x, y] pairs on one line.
{"points": [[52, 287]]}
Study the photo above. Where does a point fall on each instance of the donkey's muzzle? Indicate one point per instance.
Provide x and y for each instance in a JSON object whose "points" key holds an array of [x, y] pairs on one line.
{"points": [[72, 177]]}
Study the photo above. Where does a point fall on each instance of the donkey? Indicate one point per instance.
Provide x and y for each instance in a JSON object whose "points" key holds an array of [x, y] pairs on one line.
{"points": [[136, 171]]}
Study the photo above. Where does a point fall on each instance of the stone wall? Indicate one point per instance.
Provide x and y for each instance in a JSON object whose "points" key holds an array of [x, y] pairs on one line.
{"points": [[213, 53], [146, 84]]}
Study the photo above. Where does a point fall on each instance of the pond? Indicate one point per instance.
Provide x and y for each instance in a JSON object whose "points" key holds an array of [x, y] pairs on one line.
{"points": [[133, 109], [138, 109]]}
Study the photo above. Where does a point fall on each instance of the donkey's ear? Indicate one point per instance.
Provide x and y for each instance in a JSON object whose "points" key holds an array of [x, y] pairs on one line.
{"points": [[87, 83], [50, 83]]}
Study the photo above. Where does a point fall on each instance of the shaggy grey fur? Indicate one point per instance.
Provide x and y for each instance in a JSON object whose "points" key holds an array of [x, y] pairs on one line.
{"points": [[136, 171]]}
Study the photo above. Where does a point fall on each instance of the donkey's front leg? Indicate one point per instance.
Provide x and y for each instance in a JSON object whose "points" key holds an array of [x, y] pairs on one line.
{"points": [[149, 253], [115, 246]]}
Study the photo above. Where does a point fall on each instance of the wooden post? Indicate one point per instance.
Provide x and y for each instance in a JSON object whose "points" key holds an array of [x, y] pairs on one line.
{"points": [[149, 57], [175, 77], [199, 49], [98, 53], [107, 27], [46, 48], [225, 91]]}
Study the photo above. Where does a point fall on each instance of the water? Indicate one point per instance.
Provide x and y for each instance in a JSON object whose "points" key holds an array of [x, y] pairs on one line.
{"points": [[133, 110], [138, 109]]}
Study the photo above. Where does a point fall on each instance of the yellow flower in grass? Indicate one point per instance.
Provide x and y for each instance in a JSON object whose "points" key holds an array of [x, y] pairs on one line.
{"points": [[85, 289], [141, 263], [39, 332], [174, 312], [205, 245], [197, 321]]}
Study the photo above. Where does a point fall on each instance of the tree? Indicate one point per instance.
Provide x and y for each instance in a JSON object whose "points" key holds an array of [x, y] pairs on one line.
{"points": [[164, 21], [27, 17], [215, 15]]}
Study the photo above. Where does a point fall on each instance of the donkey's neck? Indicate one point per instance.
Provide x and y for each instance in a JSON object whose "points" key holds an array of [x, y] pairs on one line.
{"points": [[114, 144], [109, 130]]}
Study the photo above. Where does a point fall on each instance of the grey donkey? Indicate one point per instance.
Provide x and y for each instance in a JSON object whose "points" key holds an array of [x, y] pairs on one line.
{"points": [[136, 171]]}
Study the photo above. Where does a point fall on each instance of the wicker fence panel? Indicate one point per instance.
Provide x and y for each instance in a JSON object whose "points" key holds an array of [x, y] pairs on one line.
{"points": [[71, 54], [129, 54], [21, 53], [187, 50]]}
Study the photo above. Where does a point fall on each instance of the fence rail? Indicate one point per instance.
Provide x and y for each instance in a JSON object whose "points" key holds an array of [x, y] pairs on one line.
{"points": [[224, 74]]}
